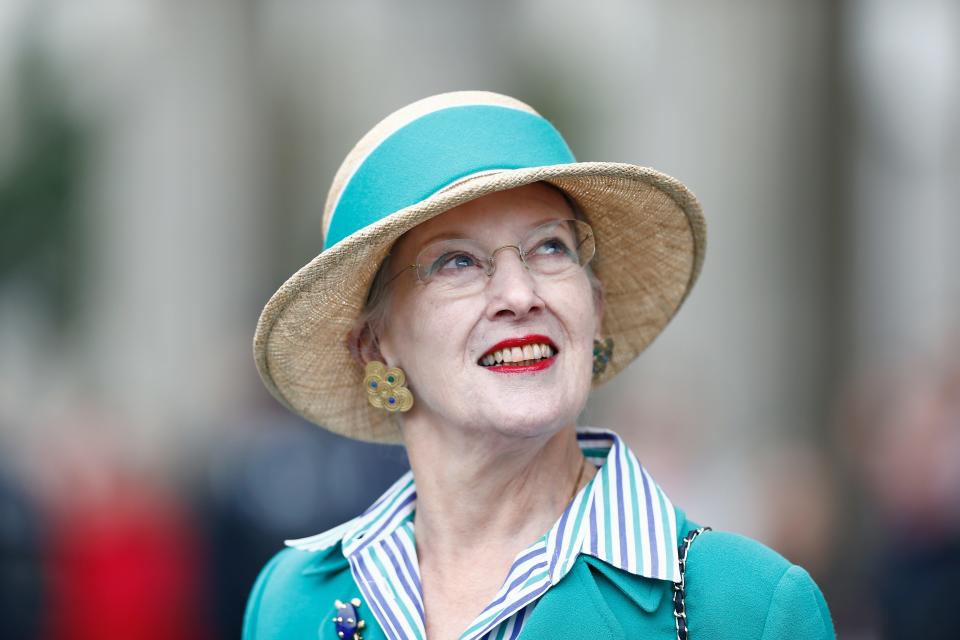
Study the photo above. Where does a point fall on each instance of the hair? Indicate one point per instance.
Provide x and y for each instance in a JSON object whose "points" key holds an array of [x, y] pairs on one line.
{"points": [[366, 332], [364, 337]]}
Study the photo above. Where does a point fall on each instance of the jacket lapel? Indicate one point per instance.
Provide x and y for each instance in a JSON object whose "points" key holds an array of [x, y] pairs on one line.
{"points": [[573, 609], [596, 600], [643, 592]]}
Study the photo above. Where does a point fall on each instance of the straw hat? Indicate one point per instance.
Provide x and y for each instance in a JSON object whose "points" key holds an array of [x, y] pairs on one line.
{"points": [[425, 159]]}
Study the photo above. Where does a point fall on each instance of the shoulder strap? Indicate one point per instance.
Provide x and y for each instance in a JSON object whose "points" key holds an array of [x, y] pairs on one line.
{"points": [[679, 594]]}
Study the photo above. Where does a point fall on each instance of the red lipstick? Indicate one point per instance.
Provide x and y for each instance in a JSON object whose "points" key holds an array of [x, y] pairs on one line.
{"points": [[539, 365], [510, 343]]}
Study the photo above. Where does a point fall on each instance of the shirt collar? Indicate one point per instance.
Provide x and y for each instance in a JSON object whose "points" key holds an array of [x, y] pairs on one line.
{"points": [[621, 517]]}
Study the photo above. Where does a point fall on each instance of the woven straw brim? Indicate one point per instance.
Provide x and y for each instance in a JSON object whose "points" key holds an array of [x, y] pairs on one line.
{"points": [[650, 239]]}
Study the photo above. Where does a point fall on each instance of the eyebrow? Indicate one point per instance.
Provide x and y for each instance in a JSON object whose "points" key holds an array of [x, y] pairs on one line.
{"points": [[455, 235]]}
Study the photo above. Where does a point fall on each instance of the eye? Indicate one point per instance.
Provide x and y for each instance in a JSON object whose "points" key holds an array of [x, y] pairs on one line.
{"points": [[552, 247], [453, 262]]}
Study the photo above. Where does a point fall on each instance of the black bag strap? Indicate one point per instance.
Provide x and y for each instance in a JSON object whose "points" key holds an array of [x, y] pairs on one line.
{"points": [[679, 594]]}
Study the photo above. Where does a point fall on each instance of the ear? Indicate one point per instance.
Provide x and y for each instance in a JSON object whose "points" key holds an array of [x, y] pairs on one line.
{"points": [[363, 344]]}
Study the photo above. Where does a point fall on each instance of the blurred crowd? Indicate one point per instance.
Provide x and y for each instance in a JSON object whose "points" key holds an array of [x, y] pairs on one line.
{"points": [[93, 547]]}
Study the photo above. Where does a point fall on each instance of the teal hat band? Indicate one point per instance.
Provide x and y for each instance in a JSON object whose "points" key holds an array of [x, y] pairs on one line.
{"points": [[436, 150]]}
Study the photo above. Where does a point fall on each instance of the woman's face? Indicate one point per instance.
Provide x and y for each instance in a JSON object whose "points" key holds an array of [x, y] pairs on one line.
{"points": [[442, 337]]}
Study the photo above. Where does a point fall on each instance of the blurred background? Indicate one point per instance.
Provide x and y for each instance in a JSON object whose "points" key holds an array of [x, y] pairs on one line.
{"points": [[163, 167]]}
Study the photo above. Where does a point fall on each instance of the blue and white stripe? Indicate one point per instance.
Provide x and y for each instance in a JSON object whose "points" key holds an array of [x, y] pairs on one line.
{"points": [[621, 517]]}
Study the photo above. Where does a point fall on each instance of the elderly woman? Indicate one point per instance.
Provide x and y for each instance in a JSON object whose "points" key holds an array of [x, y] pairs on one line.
{"points": [[475, 283]]}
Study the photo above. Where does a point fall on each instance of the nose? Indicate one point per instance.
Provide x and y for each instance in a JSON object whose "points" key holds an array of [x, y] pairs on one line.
{"points": [[512, 289]]}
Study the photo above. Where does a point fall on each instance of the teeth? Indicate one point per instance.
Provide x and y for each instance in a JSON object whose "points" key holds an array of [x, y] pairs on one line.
{"points": [[518, 356]]}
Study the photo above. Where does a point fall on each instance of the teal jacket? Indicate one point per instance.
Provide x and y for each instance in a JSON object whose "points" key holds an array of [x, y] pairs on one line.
{"points": [[736, 588]]}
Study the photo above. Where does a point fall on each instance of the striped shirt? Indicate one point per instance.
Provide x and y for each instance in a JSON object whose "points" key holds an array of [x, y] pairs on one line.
{"points": [[621, 517]]}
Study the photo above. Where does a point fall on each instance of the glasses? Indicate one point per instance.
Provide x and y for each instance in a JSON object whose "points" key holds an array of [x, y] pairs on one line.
{"points": [[462, 265]]}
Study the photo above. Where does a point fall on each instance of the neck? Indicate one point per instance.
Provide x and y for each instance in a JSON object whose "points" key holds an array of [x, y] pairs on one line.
{"points": [[498, 493]]}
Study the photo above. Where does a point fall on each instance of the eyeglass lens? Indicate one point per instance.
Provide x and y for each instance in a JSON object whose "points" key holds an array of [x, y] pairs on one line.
{"points": [[550, 249]]}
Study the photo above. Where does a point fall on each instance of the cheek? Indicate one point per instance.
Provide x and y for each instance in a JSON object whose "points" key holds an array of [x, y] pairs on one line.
{"points": [[429, 336], [577, 308], [400, 329], [580, 318]]}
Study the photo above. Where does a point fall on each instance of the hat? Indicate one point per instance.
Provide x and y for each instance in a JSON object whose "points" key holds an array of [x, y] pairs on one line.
{"points": [[425, 159]]}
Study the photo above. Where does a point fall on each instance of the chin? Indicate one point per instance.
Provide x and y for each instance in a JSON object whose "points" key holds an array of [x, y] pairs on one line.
{"points": [[521, 409], [519, 419]]}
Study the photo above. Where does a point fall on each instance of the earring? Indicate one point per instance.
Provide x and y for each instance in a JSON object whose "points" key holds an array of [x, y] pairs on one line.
{"points": [[602, 352], [385, 388]]}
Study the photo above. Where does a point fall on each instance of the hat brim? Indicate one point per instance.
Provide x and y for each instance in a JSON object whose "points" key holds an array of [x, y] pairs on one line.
{"points": [[650, 237]]}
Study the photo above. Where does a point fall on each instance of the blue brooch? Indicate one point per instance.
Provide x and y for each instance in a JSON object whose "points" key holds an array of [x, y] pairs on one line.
{"points": [[347, 621]]}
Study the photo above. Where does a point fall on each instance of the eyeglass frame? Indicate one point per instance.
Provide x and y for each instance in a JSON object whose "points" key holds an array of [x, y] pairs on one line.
{"points": [[490, 259]]}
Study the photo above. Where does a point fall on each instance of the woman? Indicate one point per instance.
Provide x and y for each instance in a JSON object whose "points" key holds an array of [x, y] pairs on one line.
{"points": [[475, 282]]}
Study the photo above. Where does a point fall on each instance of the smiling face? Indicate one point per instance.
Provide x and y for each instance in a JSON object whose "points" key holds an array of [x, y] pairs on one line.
{"points": [[448, 339]]}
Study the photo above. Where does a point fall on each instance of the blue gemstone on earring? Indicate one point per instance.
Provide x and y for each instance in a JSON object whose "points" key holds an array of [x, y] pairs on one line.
{"points": [[392, 400], [373, 384]]}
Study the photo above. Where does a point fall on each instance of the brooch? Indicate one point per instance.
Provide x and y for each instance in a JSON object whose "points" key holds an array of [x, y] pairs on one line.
{"points": [[347, 622]]}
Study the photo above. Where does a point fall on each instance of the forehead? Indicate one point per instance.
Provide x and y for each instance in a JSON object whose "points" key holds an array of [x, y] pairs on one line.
{"points": [[497, 214]]}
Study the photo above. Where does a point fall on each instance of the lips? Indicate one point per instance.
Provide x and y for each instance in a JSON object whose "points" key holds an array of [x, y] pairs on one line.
{"points": [[520, 353]]}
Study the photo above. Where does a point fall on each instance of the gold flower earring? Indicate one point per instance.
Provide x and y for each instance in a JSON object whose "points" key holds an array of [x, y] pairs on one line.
{"points": [[385, 388]]}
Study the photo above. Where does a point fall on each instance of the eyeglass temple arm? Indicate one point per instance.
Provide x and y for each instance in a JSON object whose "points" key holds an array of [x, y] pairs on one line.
{"points": [[399, 273]]}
